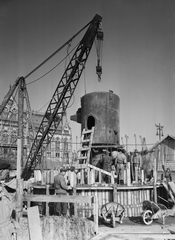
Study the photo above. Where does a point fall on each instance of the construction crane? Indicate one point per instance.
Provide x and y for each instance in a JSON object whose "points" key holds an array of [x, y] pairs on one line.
{"points": [[61, 97]]}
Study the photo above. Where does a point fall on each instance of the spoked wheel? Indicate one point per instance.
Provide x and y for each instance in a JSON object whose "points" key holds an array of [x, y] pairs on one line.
{"points": [[147, 217], [112, 212], [106, 211]]}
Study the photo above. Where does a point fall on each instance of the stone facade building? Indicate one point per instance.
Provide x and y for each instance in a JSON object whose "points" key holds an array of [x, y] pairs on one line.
{"points": [[58, 151]]}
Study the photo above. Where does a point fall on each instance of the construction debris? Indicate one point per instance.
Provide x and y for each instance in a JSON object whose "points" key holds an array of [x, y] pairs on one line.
{"points": [[62, 228]]}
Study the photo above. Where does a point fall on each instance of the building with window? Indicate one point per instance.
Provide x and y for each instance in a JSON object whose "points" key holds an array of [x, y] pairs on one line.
{"points": [[164, 153], [59, 151]]}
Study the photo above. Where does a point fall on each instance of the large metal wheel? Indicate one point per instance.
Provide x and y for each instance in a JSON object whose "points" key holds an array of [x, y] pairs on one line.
{"points": [[147, 217], [112, 212]]}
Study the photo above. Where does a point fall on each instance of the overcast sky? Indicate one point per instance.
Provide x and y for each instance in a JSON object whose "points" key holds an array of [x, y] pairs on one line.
{"points": [[138, 58]]}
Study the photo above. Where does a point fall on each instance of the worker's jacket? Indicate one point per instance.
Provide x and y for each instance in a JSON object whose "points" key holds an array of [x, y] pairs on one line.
{"points": [[6, 225], [60, 184], [119, 158]]}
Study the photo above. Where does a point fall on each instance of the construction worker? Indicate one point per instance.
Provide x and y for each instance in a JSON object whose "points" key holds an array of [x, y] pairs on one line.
{"points": [[106, 163], [61, 188], [8, 225], [167, 173], [119, 161]]}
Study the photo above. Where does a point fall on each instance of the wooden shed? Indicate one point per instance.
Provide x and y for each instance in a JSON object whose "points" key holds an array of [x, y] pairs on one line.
{"points": [[164, 152]]}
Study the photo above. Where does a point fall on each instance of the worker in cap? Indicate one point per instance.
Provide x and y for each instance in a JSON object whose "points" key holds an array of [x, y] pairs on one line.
{"points": [[7, 224], [106, 162], [168, 176], [119, 161], [61, 188], [4, 170]]}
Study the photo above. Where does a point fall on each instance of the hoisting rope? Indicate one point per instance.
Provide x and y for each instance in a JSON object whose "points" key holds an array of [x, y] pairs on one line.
{"points": [[51, 69], [99, 53], [53, 54]]}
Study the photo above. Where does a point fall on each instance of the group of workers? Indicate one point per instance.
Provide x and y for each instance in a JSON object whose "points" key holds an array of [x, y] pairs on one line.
{"points": [[116, 161], [107, 161]]}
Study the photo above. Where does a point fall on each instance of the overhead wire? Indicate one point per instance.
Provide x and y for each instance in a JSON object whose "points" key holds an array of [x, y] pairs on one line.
{"points": [[50, 69], [53, 54], [68, 54]]}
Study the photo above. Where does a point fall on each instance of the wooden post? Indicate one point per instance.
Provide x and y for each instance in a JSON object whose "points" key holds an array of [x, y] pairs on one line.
{"points": [[82, 177], [19, 198], [92, 176], [75, 204], [20, 127], [96, 213], [142, 176], [115, 193], [88, 176], [112, 177], [47, 204], [19, 146], [128, 174], [155, 180], [124, 177], [34, 223], [100, 177], [136, 174]]}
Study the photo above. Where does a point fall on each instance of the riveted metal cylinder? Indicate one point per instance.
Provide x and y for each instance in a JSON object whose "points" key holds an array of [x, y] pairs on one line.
{"points": [[101, 110]]}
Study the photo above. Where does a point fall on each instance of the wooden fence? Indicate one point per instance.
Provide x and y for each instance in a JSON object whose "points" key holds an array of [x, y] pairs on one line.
{"points": [[83, 174], [69, 199], [87, 181]]}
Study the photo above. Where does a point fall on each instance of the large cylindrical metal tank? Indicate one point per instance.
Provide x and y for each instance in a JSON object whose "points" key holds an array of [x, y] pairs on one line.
{"points": [[101, 110]]}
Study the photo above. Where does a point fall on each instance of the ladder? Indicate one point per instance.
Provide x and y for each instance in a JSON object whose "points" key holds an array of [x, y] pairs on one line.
{"points": [[86, 143]]}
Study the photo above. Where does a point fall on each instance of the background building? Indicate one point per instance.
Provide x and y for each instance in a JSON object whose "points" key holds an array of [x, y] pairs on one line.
{"points": [[59, 151], [164, 152]]}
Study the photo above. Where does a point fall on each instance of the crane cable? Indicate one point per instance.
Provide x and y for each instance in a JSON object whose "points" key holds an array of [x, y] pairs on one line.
{"points": [[51, 68], [53, 54]]}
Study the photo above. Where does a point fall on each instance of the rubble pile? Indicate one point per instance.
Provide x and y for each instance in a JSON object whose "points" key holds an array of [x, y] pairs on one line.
{"points": [[67, 228], [62, 228]]}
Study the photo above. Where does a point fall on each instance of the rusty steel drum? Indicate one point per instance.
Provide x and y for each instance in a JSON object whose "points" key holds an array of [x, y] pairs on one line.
{"points": [[101, 110]]}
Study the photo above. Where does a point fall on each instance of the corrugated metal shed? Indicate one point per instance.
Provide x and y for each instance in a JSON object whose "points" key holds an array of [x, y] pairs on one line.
{"points": [[164, 152]]}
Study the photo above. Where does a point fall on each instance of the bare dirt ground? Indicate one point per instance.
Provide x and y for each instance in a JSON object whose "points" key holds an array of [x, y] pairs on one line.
{"points": [[135, 229]]}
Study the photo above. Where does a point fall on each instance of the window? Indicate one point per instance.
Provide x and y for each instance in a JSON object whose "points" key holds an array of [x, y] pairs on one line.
{"points": [[65, 145], [5, 137], [90, 122], [48, 154], [13, 137], [66, 155], [57, 144]]}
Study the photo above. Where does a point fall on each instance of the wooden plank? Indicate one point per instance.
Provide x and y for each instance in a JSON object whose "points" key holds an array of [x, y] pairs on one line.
{"points": [[34, 223], [57, 198], [100, 177], [75, 204], [96, 213], [87, 131], [47, 204], [88, 176], [82, 177], [84, 149], [99, 169], [115, 193]]}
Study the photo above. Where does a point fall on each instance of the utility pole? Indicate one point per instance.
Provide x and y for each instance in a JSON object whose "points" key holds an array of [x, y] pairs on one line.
{"points": [[20, 141], [20, 146], [126, 142], [141, 141], [135, 141], [122, 140], [159, 131]]}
